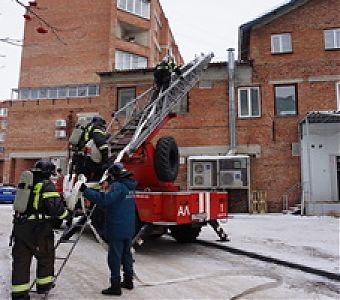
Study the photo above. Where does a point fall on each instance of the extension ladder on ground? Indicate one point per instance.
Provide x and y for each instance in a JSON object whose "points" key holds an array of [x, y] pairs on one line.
{"points": [[79, 227], [134, 123]]}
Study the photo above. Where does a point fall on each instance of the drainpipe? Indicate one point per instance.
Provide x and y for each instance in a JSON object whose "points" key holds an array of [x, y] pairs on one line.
{"points": [[231, 81]]}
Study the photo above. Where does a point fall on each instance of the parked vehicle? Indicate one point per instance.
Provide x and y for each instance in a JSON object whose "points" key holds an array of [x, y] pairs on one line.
{"points": [[7, 193]]}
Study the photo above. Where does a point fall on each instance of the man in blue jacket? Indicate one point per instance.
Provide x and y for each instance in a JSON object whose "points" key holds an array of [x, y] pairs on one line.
{"points": [[119, 205]]}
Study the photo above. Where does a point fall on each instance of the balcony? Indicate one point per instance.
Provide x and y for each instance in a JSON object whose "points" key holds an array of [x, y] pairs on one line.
{"points": [[132, 34]]}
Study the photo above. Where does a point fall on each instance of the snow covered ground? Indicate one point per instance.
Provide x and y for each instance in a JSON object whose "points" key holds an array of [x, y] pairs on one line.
{"points": [[169, 270]]}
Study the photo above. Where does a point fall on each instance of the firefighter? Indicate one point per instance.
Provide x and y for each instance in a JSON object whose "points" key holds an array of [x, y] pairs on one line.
{"points": [[93, 170], [119, 205], [33, 235], [162, 75]]}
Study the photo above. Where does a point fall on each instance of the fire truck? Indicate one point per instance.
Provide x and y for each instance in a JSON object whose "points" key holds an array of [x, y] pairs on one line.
{"points": [[161, 206]]}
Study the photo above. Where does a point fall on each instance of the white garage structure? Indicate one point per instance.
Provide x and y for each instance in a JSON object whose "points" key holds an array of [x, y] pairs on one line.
{"points": [[320, 163]]}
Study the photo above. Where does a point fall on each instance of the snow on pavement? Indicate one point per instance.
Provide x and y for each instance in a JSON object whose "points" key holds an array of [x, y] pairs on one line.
{"points": [[173, 271]]}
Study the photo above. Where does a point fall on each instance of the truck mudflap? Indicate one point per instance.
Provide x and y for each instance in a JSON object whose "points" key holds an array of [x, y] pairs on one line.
{"points": [[181, 207]]}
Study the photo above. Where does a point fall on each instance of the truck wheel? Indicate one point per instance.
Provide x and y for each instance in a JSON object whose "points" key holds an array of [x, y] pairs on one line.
{"points": [[185, 233], [166, 159]]}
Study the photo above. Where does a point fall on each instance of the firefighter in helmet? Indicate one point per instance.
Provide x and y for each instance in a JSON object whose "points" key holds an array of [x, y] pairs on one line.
{"points": [[32, 232], [86, 164], [120, 213], [162, 74]]}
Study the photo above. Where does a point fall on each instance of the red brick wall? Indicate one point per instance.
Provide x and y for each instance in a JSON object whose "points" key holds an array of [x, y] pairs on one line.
{"points": [[84, 42], [277, 170]]}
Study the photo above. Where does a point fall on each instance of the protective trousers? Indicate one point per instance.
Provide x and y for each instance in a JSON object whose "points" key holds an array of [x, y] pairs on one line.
{"points": [[32, 238], [120, 254]]}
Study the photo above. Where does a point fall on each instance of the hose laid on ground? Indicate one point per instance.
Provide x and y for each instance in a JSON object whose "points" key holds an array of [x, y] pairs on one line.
{"points": [[277, 280]]}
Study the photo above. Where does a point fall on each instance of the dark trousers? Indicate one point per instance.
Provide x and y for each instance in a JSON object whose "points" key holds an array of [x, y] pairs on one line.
{"points": [[32, 238], [120, 254], [162, 80], [84, 165]]}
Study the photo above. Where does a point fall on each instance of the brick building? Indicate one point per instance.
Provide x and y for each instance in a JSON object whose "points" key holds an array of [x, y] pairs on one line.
{"points": [[288, 66]]}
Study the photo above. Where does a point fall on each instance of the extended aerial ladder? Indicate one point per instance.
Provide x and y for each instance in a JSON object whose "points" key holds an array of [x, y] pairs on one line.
{"points": [[139, 120]]}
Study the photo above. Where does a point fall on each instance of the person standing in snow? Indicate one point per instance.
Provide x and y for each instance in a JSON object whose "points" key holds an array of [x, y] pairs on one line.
{"points": [[119, 204]]}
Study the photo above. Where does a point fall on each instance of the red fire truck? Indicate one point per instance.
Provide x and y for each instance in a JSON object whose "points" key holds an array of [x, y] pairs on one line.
{"points": [[161, 206]]}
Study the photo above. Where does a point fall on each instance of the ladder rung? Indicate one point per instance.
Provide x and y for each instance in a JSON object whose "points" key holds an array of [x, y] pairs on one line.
{"points": [[61, 258], [67, 241]]}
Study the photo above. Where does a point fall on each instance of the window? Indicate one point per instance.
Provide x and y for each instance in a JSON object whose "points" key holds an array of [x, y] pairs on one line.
{"points": [[182, 106], [3, 111], [137, 7], [93, 90], [249, 102], [332, 38], [125, 95], [24, 94], [2, 136], [62, 92], [59, 92], [126, 61], [338, 95], [52, 93], [281, 43], [285, 100], [82, 91], [42, 93], [205, 84], [3, 124]]}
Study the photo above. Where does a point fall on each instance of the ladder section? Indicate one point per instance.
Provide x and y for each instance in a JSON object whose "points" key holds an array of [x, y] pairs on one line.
{"points": [[137, 120]]}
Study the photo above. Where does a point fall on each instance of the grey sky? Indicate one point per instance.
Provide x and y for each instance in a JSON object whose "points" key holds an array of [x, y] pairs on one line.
{"points": [[198, 26]]}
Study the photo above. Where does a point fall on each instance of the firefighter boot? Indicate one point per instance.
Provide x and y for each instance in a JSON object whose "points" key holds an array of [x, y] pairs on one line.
{"points": [[114, 289], [20, 296], [127, 282], [44, 288]]}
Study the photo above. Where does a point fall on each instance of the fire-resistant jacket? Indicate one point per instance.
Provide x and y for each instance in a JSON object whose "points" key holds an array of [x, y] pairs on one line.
{"points": [[45, 202], [167, 67], [99, 137], [119, 205]]}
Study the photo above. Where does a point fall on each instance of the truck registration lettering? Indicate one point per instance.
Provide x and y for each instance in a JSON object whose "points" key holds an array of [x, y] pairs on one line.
{"points": [[183, 211]]}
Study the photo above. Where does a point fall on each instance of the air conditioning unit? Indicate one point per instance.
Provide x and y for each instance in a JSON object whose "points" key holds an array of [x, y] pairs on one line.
{"points": [[231, 179], [60, 134], [60, 123], [202, 174], [219, 172]]}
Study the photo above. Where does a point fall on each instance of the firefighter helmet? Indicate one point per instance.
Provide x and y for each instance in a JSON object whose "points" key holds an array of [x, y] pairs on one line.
{"points": [[45, 167], [117, 170], [98, 120]]}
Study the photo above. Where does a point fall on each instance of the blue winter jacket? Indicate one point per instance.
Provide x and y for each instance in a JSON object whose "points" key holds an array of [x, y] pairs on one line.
{"points": [[119, 206]]}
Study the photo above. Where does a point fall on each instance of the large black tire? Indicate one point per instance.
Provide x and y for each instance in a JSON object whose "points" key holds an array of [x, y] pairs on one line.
{"points": [[166, 159], [185, 233]]}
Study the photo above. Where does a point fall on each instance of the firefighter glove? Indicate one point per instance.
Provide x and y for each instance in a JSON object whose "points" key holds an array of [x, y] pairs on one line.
{"points": [[83, 187]]}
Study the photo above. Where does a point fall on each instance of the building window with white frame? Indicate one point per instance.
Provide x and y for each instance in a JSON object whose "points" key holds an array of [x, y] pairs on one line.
{"points": [[332, 38], [249, 102], [137, 7], [127, 61], [281, 43], [3, 124], [3, 111], [2, 136]]}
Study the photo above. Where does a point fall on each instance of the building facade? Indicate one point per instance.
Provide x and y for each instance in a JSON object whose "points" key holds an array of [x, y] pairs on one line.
{"points": [[288, 66], [87, 37]]}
